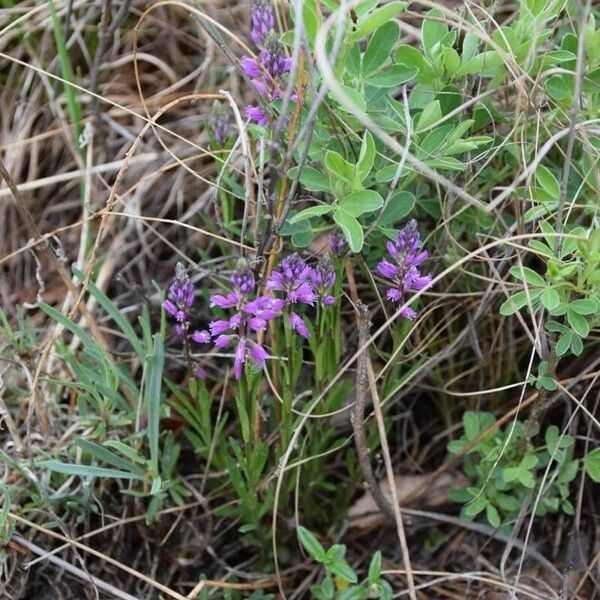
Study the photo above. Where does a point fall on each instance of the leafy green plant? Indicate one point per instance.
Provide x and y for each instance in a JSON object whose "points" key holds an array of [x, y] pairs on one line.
{"points": [[339, 574], [502, 476]]}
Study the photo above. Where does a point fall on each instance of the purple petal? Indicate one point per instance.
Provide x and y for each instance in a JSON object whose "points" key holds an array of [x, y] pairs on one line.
{"points": [[408, 313], [170, 308], [257, 324], [298, 325], [221, 301], [218, 327], [200, 373], [201, 337], [250, 66], [223, 341], [240, 358], [414, 260], [387, 269], [394, 295], [257, 115], [328, 300], [258, 354]]}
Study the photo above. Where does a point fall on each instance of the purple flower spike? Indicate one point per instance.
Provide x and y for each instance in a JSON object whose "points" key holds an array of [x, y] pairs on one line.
{"points": [[263, 21], [293, 280], [403, 272], [180, 296], [323, 280]]}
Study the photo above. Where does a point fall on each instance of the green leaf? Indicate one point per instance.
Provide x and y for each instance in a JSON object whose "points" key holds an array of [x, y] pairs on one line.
{"points": [[548, 181], [559, 87], [471, 425], [493, 517], [592, 464], [342, 569], [517, 301], [109, 457], [311, 211], [375, 568], [86, 470], [431, 114], [477, 505], [366, 158], [486, 64], [358, 203], [550, 298], [311, 179], [378, 18], [380, 46], [311, 544], [352, 229], [451, 61], [392, 76], [528, 275], [399, 206], [578, 323], [153, 375], [336, 164], [583, 307], [433, 30]]}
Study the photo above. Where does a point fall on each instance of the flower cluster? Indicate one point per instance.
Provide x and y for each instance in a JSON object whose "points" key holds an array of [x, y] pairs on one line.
{"points": [[247, 315], [403, 271], [179, 302], [294, 281], [266, 71], [301, 284]]}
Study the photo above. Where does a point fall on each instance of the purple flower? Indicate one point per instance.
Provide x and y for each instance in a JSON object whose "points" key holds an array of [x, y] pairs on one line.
{"points": [[323, 279], [263, 21], [249, 315], [201, 337], [298, 325], [256, 114], [266, 72], [293, 280], [180, 296], [403, 272]]}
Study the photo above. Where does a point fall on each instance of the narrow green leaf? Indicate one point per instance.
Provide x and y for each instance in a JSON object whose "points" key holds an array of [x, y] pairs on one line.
{"points": [[86, 470], [153, 375], [311, 544], [548, 181], [528, 275], [391, 76], [105, 455], [431, 114]]}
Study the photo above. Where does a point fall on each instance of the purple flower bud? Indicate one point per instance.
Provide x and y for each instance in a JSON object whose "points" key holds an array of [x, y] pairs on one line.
{"points": [[218, 327], [257, 324], [201, 337], [256, 115], [228, 301], [223, 341], [240, 358], [408, 313], [251, 67], [298, 325], [293, 279], [258, 355], [323, 279], [387, 269], [263, 21], [180, 330], [243, 280]]}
